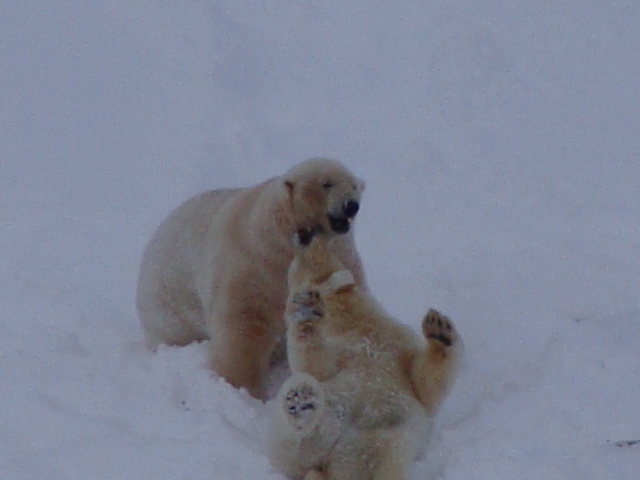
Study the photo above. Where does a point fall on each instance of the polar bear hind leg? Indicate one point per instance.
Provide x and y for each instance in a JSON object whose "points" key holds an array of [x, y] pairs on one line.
{"points": [[303, 402], [304, 406], [303, 429]]}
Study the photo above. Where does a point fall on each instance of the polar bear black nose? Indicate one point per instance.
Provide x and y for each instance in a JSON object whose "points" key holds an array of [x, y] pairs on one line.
{"points": [[351, 208]]}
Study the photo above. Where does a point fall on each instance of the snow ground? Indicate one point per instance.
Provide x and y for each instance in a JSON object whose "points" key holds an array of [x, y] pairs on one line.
{"points": [[499, 141]]}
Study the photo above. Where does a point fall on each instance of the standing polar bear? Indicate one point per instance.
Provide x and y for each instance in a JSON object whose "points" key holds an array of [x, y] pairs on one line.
{"points": [[216, 269], [364, 389]]}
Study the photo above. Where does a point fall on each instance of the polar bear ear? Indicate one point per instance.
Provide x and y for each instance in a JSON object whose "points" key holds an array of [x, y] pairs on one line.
{"points": [[288, 186]]}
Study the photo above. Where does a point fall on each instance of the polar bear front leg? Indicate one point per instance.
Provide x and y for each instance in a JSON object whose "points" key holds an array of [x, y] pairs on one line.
{"points": [[307, 349], [304, 309], [434, 371], [242, 342]]}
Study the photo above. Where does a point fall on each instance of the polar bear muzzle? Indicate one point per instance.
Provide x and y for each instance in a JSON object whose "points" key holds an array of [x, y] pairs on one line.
{"points": [[341, 223]]}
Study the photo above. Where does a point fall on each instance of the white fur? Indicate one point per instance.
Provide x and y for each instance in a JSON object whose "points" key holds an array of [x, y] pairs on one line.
{"points": [[216, 267], [374, 379], [338, 280]]}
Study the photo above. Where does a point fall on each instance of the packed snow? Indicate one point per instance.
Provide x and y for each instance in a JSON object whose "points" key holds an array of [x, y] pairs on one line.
{"points": [[500, 145]]}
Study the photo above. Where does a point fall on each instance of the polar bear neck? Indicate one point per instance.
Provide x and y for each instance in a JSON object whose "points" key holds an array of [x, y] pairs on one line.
{"points": [[269, 203]]}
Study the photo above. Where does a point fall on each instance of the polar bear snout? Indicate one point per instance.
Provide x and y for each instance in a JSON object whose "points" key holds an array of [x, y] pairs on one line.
{"points": [[341, 222]]}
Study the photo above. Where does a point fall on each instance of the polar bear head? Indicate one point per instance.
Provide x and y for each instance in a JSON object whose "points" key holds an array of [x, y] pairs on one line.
{"points": [[315, 263], [323, 193]]}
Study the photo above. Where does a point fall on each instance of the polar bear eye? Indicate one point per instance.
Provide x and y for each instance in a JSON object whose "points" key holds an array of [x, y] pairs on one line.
{"points": [[328, 185]]}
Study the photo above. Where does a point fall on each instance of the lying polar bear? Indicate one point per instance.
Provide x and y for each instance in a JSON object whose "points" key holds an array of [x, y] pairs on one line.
{"points": [[364, 389], [216, 268]]}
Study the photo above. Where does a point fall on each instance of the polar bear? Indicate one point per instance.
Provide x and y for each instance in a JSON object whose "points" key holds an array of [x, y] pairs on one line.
{"points": [[216, 268], [365, 387]]}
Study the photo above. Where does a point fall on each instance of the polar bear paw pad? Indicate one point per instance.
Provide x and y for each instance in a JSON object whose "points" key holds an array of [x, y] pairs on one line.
{"points": [[308, 305], [439, 327], [302, 405]]}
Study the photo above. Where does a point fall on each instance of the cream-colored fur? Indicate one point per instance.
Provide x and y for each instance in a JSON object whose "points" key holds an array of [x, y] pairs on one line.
{"points": [[365, 387], [216, 268]]}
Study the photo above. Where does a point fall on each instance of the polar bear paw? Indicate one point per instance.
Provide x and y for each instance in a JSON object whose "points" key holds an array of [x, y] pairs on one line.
{"points": [[303, 403], [437, 327], [307, 305]]}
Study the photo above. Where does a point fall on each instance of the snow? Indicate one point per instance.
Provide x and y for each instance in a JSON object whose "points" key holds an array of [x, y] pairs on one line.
{"points": [[499, 141]]}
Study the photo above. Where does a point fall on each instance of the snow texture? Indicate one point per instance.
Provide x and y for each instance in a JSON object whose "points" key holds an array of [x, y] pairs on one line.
{"points": [[499, 141]]}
